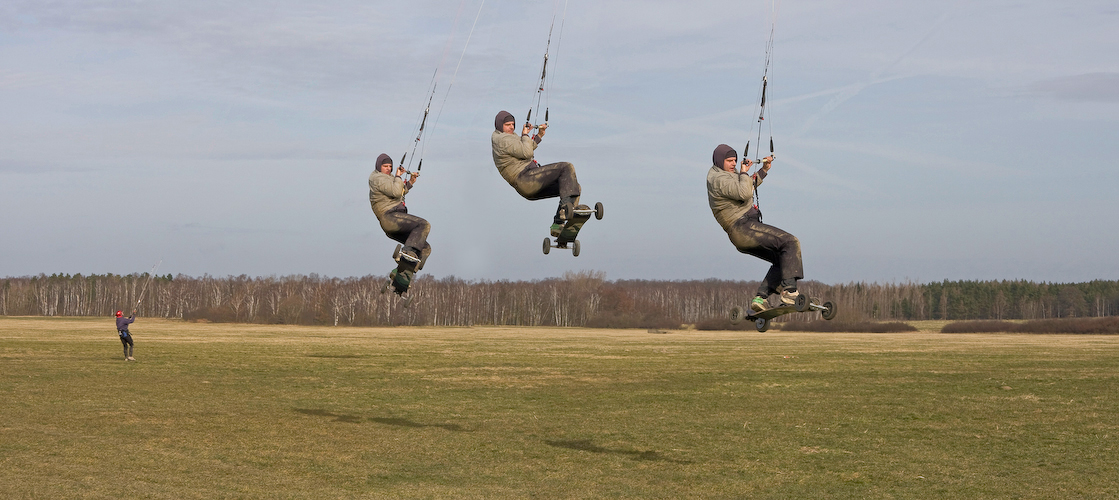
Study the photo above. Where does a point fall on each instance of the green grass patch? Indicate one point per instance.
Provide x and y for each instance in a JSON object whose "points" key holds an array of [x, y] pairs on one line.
{"points": [[230, 410]]}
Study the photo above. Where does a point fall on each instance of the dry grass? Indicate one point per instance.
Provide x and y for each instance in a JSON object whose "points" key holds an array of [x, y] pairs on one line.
{"points": [[1105, 325], [225, 410], [848, 326]]}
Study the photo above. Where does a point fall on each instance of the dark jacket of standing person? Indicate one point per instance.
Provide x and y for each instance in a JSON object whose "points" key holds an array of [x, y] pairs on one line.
{"points": [[123, 322]]}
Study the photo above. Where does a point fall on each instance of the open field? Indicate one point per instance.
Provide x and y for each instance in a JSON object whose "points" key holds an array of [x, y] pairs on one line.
{"points": [[224, 410]]}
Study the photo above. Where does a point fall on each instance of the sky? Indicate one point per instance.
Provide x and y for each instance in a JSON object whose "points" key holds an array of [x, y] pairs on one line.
{"points": [[915, 141]]}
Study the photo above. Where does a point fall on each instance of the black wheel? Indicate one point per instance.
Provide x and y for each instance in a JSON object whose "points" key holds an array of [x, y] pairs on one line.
{"points": [[802, 302], [385, 287], [598, 211], [829, 310], [547, 245], [761, 324], [575, 249], [422, 261], [408, 301], [396, 253], [567, 211], [735, 315]]}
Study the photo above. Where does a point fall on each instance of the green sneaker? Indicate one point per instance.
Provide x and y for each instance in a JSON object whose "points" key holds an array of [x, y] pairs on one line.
{"points": [[402, 279], [757, 305], [556, 229]]}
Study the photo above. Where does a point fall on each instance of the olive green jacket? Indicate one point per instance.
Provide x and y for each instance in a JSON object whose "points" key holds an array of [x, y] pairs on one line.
{"points": [[511, 154], [730, 194], [386, 192]]}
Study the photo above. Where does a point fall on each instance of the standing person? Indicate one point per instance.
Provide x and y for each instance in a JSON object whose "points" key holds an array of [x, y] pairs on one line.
{"points": [[386, 196], [730, 193], [514, 157], [125, 336]]}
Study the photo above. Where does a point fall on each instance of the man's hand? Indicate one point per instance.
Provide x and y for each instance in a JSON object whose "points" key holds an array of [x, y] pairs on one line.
{"points": [[400, 171], [767, 163], [543, 127], [413, 179], [527, 129]]}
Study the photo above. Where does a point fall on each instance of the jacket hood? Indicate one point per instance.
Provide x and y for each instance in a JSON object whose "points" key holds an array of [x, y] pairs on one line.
{"points": [[502, 118], [722, 153], [381, 160]]}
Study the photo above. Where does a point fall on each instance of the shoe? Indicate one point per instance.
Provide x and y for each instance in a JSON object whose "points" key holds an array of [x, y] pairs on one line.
{"points": [[556, 229], [789, 298], [757, 305]]}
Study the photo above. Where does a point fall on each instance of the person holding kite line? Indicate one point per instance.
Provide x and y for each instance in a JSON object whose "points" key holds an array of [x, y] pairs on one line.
{"points": [[513, 156], [730, 193], [125, 335], [386, 196]]}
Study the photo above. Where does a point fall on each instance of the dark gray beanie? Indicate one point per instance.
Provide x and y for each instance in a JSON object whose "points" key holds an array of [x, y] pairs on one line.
{"points": [[502, 118], [722, 153]]}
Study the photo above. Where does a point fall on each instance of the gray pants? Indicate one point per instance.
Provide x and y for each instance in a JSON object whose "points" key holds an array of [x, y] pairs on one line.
{"points": [[772, 245], [409, 230], [538, 182]]}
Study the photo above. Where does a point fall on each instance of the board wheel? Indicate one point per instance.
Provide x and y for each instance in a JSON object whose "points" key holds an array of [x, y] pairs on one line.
{"points": [[385, 287], [735, 315], [408, 301], [761, 324], [598, 211], [829, 310], [802, 302], [547, 245], [396, 253], [422, 261], [575, 249]]}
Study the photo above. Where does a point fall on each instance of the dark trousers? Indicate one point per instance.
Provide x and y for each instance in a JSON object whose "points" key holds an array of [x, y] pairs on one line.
{"points": [[126, 342], [772, 245], [538, 182], [409, 230]]}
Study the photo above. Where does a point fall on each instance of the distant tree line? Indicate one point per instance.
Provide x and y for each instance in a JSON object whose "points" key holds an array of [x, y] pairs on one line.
{"points": [[576, 299]]}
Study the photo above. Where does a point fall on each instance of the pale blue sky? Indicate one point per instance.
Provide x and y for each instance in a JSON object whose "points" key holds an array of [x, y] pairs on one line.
{"points": [[915, 140]]}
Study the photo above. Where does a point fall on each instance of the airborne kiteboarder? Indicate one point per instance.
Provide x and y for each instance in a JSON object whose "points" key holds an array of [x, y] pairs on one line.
{"points": [[730, 193], [514, 157], [387, 190], [386, 196], [733, 198]]}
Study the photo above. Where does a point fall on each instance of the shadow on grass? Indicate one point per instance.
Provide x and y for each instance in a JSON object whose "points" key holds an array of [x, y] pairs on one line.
{"points": [[403, 422], [587, 445], [399, 422], [336, 356], [350, 419]]}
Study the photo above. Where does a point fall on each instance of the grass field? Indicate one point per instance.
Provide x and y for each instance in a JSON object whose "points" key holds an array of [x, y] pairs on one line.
{"points": [[233, 411]]}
